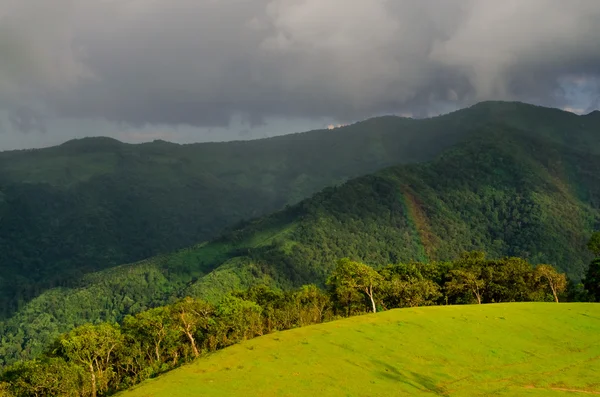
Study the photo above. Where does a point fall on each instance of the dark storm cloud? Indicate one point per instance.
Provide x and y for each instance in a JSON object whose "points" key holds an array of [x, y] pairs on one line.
{"points": [[199, 62]]}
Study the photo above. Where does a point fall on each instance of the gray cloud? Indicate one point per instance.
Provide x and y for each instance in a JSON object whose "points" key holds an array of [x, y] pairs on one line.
{"points": [[200, 62], [36, 43], [27, 120]]}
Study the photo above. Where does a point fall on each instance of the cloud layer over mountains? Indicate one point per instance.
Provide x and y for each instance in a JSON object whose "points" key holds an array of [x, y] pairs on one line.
{"points": [[200, 62]]}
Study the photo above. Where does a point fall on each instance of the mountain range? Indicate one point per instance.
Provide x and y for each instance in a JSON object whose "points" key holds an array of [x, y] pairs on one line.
{"points": [[505, 178]]}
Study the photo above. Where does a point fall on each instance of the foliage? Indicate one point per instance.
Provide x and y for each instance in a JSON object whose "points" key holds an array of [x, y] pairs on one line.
{"points": [[101, 359], [468, 278], [556, 282], [592, 280], [93, 360], [350, 277], [93, 349], [412, 284], [594, 244], [193, 317], [45, 377]]}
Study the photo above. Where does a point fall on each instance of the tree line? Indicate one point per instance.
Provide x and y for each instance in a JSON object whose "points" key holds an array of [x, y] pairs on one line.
{"points": [[101, 359]]}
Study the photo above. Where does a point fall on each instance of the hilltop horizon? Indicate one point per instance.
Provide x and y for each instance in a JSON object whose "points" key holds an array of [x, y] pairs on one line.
{"points": [[325, 127]]}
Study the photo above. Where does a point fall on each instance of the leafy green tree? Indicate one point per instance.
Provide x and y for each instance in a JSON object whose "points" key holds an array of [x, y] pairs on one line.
{"points": [[487, 280], [276, 306], [409, 293], [193, 317], [155, 331], [594, 244], [92, 347], [404, 285], [507, 280], [557, 282], [591, 282], [45, 377], [5, 390], [466, 280], [132, 365], [236, 320], [355, 276], [576, 292], [311, 304]]}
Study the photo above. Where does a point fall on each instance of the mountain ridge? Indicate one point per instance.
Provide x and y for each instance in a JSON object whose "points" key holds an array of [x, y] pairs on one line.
{"points": [[81, 207], [503, 190], [478, 105]]}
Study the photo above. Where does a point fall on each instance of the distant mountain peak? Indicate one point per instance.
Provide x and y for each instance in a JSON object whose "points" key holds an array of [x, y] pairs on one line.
{"points": [[92, 140], [595, 113]]}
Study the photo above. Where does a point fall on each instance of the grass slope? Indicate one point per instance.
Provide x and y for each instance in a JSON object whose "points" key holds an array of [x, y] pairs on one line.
{"points": [[529, 349]]}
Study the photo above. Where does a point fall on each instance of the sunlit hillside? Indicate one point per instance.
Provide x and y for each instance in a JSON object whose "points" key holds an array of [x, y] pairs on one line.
{"points": [[517, 349]]}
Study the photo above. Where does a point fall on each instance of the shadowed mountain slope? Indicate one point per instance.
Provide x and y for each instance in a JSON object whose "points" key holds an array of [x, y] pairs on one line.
{"points": [[503, 190], [95, 203]]}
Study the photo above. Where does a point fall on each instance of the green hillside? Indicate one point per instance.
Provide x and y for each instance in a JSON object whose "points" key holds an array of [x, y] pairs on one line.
{"points": [[504, 191], [525, 349], [96, 203]]}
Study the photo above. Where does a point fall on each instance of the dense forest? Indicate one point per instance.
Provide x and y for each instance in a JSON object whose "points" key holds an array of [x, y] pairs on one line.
{"points": [[101, 359], [504, 191], [96, 203]]}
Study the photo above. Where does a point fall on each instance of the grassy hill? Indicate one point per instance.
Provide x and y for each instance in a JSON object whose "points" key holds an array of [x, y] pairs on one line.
{"points": [[525, 349], [96, 203], [504, 191]]}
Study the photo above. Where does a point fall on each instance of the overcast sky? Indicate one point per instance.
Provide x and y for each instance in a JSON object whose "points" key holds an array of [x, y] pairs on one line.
{"points": [[206, 70]]}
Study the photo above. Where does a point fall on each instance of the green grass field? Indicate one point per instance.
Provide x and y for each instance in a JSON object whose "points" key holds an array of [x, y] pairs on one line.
{"points": [[515, 349]]}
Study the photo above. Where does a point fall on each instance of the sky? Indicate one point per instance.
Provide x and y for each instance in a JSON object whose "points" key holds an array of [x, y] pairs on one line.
{"points": [[216, 70]]}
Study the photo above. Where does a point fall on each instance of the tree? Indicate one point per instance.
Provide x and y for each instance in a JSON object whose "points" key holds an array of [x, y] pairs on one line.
{"points": [[466, 280], [409, 293], [467, 277], [350, 275], [92, 347], [5, 390], [594, 244], [556, 281], [272, 303], [591, 282], [45, 377], [404, 285], [155, 332], [236, 320], [507, 280], [191, 316], [311, 301]]}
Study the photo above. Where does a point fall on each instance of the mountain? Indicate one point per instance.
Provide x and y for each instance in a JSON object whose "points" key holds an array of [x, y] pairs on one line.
{"points": [[96, 203], [504, 190]]}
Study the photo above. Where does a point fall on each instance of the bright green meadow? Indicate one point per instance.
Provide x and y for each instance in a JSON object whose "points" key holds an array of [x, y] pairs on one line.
{"points": [[514, 349]]}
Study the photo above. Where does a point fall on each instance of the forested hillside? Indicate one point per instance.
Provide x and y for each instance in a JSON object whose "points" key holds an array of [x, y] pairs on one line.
{"points": [[506, 191], [95, 203], [104, 358]]}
